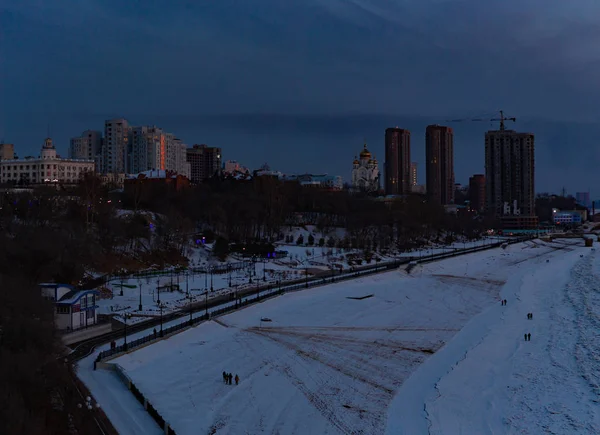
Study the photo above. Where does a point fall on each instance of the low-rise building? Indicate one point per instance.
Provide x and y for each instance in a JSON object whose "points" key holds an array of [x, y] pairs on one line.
{"points": [[74, 309], [567, 217], [167, 178], [47, 168]]}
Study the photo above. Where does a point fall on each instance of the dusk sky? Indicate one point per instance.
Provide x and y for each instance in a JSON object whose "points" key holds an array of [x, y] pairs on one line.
{"points": [[309, 79]]}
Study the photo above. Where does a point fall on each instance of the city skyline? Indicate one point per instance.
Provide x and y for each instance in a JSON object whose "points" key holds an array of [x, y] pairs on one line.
{"points": [[261, 70]]}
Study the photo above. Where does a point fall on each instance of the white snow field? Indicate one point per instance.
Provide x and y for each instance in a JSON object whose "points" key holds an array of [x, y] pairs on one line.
{"points": [[393, 362]]}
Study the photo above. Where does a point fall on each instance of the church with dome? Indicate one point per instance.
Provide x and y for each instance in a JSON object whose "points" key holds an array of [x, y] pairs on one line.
{"points": [[365, 172]]}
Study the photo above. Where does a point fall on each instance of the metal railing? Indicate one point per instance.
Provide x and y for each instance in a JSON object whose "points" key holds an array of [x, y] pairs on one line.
{"points": [[277, 289]]}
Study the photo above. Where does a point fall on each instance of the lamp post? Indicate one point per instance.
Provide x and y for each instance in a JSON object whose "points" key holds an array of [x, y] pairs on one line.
{"points": [[205, 278], [211, 279], [190, 299], [250, 274], [229, 271], [264, 271], [306, 277], [140, 285], [161, 306], [158, 290], [125, 317], [187, 287], [206, 304]]}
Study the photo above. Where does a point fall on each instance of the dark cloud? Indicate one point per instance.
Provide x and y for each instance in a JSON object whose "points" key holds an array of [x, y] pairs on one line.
{"points": [[72, 63]]}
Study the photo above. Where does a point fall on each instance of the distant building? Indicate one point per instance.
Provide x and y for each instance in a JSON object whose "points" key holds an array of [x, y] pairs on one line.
{"points": [[583, 198], [7, 151], [148, 149], [439, 164], [509, 178], [324, 181], [413, 174], [365, 172], [204, 162], [419, 189], [232, 167], [477, 192], [47, 168], [397, 161], [115, 147], [87, 146], [566, 217], [176, 159], [74, 309], [167, 178]]}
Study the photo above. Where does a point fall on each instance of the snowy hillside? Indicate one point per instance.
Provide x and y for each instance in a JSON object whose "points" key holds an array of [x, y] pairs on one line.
{"points": [[365, 356]]}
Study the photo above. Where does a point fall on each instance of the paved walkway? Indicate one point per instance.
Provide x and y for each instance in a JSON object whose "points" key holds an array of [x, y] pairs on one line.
{"points": [[84, 334]]}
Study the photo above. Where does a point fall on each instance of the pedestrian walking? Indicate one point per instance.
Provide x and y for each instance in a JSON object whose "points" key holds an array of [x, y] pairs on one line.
{"points": [[229, 376], [224, 377], [529, 337], [505, 301], [525, 335], [154, 333], [531, 315], [237, 379]]}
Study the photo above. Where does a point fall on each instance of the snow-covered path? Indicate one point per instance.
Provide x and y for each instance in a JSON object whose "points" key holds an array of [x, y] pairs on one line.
{"points": [[488, 380]]}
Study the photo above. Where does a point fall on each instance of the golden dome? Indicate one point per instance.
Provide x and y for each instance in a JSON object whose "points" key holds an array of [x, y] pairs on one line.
{"points": [[356, 162], [365, 153]]}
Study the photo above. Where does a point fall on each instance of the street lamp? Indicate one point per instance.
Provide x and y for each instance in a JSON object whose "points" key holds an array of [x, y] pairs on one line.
{"points": [[206, 304], [211, 279], [264, 271], [140, 285], [187, 288], [161, 306], [158, 290], [205, 278], [229, 270], [125, 317]]}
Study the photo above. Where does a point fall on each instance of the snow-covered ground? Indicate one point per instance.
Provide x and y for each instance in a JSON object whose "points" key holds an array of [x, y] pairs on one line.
{"points": [[488, 379], [330, 364], [301, 260]]}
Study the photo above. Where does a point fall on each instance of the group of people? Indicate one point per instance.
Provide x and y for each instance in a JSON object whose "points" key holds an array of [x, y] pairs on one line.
{"points": [[228, 377], [529, 317]]}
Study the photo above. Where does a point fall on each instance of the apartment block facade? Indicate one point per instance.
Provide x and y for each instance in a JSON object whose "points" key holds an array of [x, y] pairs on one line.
{"points": [[397, 161], [510, 176], [439, 157]]}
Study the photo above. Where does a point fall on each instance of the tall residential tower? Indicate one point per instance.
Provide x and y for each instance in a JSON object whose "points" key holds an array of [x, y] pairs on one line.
{"points": [[439, 164], [397, 161], [509, 177]]}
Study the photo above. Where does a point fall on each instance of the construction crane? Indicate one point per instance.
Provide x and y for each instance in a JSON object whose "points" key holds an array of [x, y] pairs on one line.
{"points": [[502, 119]]}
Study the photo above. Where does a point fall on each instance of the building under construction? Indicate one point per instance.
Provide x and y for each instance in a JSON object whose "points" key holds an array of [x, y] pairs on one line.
{"points": [[510, 175]]}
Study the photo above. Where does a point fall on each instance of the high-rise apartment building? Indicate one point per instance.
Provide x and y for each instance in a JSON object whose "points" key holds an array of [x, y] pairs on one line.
{"points": [[477, 192], [87, 146], [413, 174], [204, 162], [509, 177], [7, 151], [177, 156], [439, 165], [582, 198], [397, 161], [116, 147], [148, 149]]}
